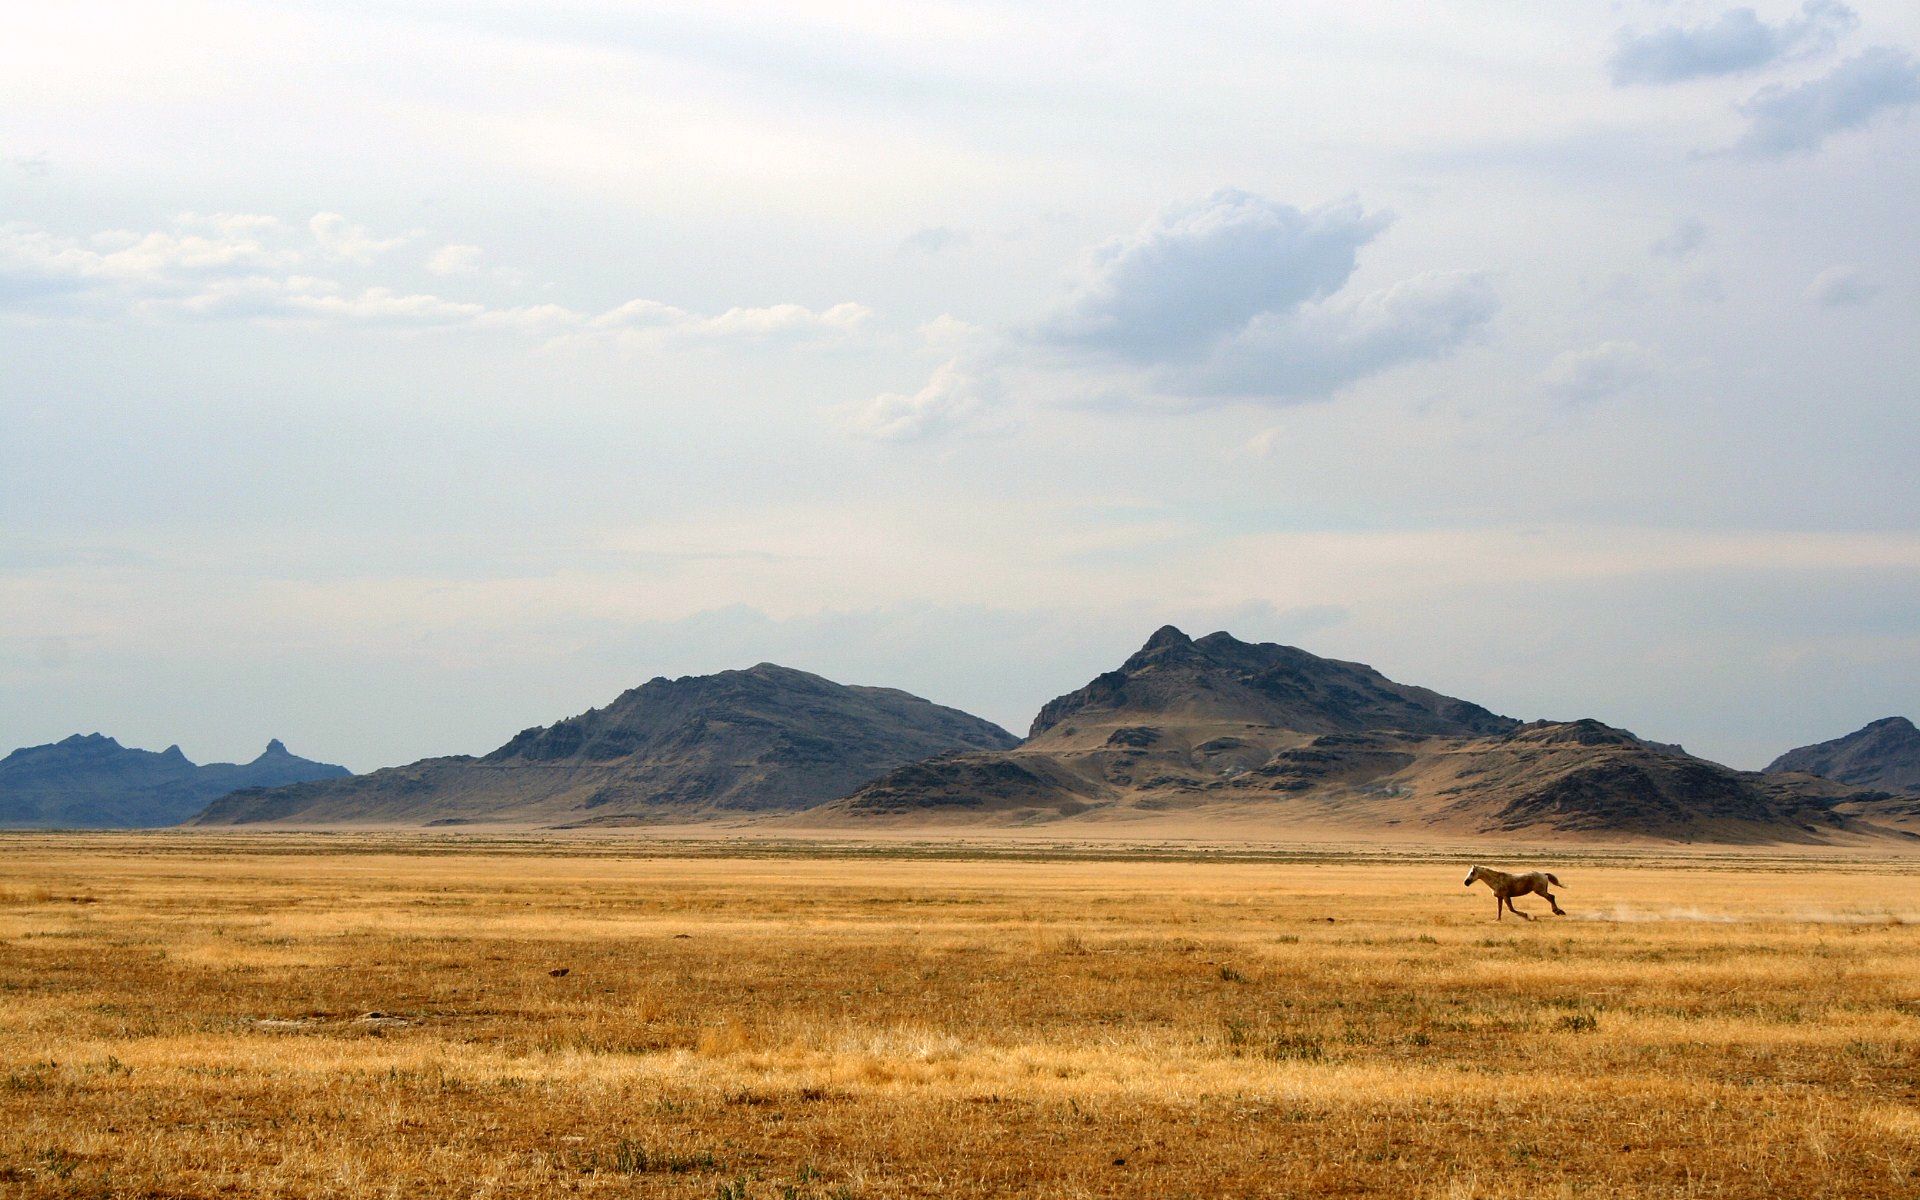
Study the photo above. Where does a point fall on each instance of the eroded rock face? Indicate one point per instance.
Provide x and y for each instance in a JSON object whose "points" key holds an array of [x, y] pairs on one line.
{"points": [[1883, 755], [765, 739]]}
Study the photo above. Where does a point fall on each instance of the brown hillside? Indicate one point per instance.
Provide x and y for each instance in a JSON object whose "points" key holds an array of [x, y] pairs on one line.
{"points": [[767, 739]]}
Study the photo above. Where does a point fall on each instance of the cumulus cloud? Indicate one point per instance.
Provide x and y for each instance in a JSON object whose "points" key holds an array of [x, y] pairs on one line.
{"points": [[256, 268], [1597, 372], [952, 400], [1841, 287], [1199, 272], [1798, 119], [1738, 41], [1312, 350], [38, 267], [1234, 298], [1240, 296]]}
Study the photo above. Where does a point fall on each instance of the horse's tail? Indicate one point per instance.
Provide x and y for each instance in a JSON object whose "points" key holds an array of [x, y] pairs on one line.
{"points": [[1552, 879]]}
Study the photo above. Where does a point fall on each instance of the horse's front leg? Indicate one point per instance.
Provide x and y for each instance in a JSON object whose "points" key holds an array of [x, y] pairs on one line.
{"points": [[1516, 912]]}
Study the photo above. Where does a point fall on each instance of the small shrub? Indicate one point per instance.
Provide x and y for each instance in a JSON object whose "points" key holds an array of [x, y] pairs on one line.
{"points": [[1295, 1047], [1229, 975], [1578, 1023], [55, 1164], [630, 1157]]}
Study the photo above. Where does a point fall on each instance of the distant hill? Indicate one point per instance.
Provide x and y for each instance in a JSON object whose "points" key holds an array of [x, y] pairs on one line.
{"points": [[766, 739], [1219, 679], [1884, 755], [1218, 729], [90, 781]]}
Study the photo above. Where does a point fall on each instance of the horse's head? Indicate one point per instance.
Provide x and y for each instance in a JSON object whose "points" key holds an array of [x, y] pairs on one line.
{"points": [[1471, 876]]}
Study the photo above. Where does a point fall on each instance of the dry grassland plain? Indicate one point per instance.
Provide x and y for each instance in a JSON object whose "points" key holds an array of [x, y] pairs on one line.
{"points": [[357, 1016]]}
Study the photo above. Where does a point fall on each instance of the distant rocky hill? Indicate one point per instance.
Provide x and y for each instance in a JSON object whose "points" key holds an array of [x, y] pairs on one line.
{"points": [[1219, 678], [1223, 730], [1883, 755], [766, 739], [89, 781]]}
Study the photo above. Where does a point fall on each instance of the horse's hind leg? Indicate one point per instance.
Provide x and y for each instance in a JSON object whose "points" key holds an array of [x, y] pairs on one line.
{"points": [[1557, 910]]}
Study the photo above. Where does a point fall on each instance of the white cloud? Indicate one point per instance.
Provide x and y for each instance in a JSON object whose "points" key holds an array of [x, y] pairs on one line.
{"points": [[1738, 41], [1799, 119], [1313, 350], [455, 259], [38, 265], [1841, 287], [650, 320], [1597, 372], [255, 268], [951, 401], [779, 321], [343, 239]]}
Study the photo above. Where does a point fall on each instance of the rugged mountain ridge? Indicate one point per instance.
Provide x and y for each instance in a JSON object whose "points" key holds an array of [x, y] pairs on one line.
{"points": [[1884, 754], [1227, 730], [765, 739], [1222, 678], [91, 781]]}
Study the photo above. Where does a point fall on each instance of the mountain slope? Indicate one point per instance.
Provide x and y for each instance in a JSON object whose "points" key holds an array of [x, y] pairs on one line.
{"points": [[769, 738], [1885, 755], [89, 781], [1216, 729], [1219, 678]]}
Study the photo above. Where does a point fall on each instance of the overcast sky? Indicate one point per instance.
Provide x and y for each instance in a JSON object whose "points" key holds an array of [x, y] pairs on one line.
{"points": [[390, 376]]}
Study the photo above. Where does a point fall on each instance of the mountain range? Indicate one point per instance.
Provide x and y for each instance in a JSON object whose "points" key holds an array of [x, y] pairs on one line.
{"points": [[766, 739], [90, 781], [1188, 733], [1225, 731]]}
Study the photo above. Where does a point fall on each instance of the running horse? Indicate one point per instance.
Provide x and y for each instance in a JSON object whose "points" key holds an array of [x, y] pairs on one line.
{"points": [[1506, 887]]}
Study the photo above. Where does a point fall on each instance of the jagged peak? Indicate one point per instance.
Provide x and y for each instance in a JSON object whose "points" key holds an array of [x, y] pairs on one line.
{"points": [[1585, 731], [1219, 637], [1166, 635]]}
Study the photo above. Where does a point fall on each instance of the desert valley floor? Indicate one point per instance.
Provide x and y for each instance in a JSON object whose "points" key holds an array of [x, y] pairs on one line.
{"points": [[205, 1014]]}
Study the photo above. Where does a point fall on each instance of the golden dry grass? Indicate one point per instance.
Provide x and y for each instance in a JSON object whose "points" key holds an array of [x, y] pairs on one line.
{"points": [[190, 1016]]}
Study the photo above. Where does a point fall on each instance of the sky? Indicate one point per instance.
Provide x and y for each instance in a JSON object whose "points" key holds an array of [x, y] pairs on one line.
{"points": [[388, 376]]}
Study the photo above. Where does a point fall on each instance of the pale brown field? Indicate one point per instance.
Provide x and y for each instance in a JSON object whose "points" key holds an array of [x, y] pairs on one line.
{"points": [[189, 1016]]}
